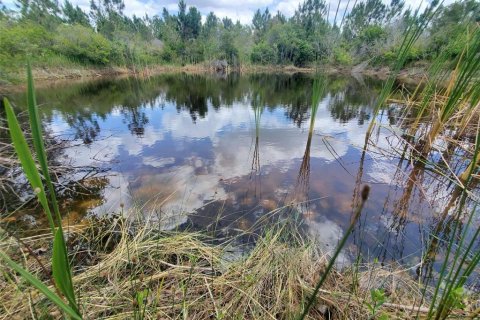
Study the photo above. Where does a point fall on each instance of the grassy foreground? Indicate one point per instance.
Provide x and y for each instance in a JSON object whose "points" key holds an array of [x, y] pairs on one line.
{"points": [[121, 271]]}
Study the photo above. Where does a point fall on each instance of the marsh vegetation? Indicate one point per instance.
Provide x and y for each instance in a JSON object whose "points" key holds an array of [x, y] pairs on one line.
{"points": [[64, 40], [247, 196]]}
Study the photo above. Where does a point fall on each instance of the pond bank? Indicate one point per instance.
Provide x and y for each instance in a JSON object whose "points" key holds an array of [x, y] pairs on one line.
{"points": [[47, 76], [122, 274]]}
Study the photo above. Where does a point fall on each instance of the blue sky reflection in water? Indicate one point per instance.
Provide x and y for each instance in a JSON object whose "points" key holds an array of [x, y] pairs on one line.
{"points": [[183, 148]]}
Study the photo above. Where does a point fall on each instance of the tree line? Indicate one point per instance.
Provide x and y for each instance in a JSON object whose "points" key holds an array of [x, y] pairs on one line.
{"points": [[61, 35]]}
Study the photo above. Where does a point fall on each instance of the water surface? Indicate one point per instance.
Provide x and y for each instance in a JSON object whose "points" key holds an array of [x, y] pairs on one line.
{"points": [[209, 152]]}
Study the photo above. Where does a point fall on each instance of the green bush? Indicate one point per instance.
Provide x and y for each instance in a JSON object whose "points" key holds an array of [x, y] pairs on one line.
{"points": [[193, 52], [228, 51], [454, 46], [415, 53], [117, 53], [146, 55], [263, 53], [373, 33], [342, 56], [81, 43], [168, 54], [388, 57], [303, 54], [20, 39]]}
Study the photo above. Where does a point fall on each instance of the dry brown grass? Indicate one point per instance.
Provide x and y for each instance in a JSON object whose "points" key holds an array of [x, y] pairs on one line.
{"points": [[184, 275]]}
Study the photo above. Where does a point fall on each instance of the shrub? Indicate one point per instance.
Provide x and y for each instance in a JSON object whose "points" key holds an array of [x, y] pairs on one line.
{"points": [[342, 56], [263, 53], [147, 55], [228, 51], [81, 43], [371, 34], [117, 53], [388, 57], [415, 53], [20, 39], [303, 54], [168, 54]]}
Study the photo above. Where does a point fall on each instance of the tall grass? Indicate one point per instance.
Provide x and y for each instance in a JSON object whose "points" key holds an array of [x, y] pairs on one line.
{"points": [[445, 106], [461, 94], [426, 90], [331, 262], [303, 179], [258, 108], [415, 28], [60, 264], [319, 86], [461, 259]]}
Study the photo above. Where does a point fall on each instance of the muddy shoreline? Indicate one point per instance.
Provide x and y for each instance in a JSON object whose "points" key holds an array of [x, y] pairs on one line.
{"points": [[50, 77]]}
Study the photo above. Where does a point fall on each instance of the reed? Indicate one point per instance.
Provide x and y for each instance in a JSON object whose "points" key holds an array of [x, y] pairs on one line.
{"points": [[460, 262], [426, 91], [319, 86], [258, 108], [461, 94], [447, 104], [331, 262], [444, 105], [415, 28], [303, 179], [60, 263]]}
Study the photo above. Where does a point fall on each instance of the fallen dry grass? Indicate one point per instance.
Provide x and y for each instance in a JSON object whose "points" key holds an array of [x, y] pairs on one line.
{"points": [[122, 271]]}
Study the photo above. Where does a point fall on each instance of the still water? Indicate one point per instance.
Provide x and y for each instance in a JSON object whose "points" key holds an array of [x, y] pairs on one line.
{"points": [[191, 151]]}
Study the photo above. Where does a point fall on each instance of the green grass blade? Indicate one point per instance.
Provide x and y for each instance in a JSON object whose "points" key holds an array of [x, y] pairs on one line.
{"points": [[413, 32], [41, 287], [61, 268], [34, 118], [26, 160], [38, 143], [319, 86], [364, 194], [60, 265]]}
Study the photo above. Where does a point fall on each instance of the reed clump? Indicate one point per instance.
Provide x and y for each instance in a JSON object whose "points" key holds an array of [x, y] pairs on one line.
{"points": [[441, 130], [124, 271]]}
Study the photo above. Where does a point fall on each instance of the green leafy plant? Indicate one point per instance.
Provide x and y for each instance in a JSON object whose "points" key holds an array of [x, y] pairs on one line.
{"points": [[263, 53], [141, 303], [60, 264], [378, 299], [83, 44], [341, 56]]}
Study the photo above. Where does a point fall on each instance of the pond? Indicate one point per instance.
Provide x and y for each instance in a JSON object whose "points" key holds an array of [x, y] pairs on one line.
{"points": [[207, 152]]}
